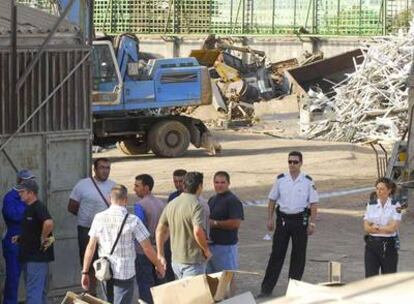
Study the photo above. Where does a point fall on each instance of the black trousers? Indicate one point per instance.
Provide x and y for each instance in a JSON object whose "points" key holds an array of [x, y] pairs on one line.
{"points": [[286, 229], [380, 254], [169, 273], [83, 240]]}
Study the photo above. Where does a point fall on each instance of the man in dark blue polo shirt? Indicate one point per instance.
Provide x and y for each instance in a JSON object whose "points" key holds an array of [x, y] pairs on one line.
{"points": [[35, 240], [178, 179], [226, 214]]}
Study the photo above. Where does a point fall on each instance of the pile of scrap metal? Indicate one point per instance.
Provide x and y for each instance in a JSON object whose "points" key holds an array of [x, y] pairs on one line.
{"points": [[237, 85], [368, 103]]}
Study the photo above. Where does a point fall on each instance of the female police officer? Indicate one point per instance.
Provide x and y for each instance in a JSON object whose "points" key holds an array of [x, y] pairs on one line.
{"points": [[381, 222]]}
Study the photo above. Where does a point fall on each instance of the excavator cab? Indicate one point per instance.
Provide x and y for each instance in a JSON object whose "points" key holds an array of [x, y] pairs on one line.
{"points": [[107, 81]]}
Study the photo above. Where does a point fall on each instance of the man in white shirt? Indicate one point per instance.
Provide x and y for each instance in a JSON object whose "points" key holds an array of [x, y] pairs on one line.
{"points": [[297, 200], [103, 233], [86, 201]]}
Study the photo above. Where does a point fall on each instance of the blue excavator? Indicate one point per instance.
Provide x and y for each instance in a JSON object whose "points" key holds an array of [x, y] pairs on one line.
{"points": [[136, 100]]}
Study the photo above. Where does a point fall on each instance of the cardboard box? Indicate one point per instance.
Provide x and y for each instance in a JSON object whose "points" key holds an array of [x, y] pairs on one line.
{"points": [[244, 298], [201, 289], [73, 298]]}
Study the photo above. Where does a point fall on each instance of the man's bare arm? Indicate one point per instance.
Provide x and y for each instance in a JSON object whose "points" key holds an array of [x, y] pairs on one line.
{"points": [[73, 206], [47, 228], [152, 256], [230, 224], [161, 236], [201, 239]]}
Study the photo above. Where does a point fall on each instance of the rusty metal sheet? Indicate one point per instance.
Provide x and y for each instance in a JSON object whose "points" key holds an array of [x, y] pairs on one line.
{"points": [[333, 68], [69, 109]]}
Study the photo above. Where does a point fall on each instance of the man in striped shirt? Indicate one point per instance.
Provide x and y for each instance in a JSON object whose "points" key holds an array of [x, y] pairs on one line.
{"points": [[103, 233]]}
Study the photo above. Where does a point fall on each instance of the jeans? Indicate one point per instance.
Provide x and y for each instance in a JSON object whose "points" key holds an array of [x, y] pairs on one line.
{"points": [[35, 278], [145, 277], [119, 291], [225, 257], [188, 270]]}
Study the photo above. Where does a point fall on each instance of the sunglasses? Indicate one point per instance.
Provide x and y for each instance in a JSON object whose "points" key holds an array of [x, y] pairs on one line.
{"points": [[295, 162]]}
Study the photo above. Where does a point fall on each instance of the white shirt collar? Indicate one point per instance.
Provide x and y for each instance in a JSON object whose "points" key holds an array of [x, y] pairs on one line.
{"points": [[298, 178], [387, 203]]}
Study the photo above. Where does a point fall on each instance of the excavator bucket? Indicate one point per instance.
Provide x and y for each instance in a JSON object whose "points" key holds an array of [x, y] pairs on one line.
{"points": [[205, 57]]}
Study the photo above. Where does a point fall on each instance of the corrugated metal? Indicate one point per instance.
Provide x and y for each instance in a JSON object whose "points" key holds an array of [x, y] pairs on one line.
{"points": [[68, 109], [31, 20]]}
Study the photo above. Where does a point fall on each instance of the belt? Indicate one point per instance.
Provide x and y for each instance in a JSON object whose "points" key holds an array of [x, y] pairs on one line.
{"points": [[291, 216], [380, 238]]}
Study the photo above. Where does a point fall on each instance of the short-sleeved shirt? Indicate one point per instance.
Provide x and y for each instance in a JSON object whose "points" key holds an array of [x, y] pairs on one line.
{"points": [[206, 222], [181, 215], [293, 196], [152, 211], [105, 228], [90, 200], [32, 225], [225, 206], [381, 216]]}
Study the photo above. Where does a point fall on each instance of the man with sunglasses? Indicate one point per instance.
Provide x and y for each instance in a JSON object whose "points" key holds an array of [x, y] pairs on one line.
{"points": [[296, 209]]}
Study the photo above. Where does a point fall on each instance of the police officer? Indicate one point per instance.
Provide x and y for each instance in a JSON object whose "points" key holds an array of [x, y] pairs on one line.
{"points": [[13, 211], [297, 200], [381, 223]]}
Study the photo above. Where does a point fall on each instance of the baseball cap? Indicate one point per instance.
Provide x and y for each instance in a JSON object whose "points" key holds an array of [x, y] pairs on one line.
{"points": [[29, 185], [25, 174]]}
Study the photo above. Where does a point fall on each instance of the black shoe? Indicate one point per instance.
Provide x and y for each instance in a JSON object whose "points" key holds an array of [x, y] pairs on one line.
{"points": [[262, 295]]}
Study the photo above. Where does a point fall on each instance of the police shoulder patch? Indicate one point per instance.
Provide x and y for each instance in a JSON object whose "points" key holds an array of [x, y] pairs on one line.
{"points": [[308, 177], [281, 175]]}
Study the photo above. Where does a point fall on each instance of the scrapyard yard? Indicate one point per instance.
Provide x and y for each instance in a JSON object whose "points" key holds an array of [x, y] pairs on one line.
{"points": [[253, 161]]}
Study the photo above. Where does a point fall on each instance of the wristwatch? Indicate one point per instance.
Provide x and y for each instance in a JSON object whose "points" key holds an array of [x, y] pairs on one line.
{"points": [[85, 272]]}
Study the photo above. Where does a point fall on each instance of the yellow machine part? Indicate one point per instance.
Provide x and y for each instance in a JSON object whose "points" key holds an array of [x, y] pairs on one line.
{"points": [[227, 73], [205, 57]]}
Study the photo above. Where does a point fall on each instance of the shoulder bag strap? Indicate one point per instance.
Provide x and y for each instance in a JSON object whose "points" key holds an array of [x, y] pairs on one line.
{"points": [[119, 234], [99, 190]]}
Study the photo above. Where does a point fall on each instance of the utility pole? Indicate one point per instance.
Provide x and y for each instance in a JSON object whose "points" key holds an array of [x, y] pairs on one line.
{"points": [[410, 137]]}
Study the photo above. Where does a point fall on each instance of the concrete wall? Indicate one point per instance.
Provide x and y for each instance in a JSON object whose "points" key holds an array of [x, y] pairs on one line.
{"points": [[59, 160], [277, 48]]}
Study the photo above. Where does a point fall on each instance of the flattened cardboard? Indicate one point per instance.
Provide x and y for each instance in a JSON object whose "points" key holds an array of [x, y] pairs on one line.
{"points": [[73, 298], [201, 289]]}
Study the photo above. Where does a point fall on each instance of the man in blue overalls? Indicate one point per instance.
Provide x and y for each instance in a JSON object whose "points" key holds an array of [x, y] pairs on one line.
{"points": [[13, 210]]}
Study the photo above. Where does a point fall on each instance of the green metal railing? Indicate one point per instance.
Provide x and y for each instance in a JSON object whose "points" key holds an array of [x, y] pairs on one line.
{"points": [[254, 17]]}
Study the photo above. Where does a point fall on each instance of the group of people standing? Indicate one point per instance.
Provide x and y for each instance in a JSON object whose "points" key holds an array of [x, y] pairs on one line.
{"points": [[158, 242]]}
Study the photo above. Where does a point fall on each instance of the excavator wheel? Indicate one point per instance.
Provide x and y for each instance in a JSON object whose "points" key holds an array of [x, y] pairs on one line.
{"points": [[132, 147], [169, 138]]}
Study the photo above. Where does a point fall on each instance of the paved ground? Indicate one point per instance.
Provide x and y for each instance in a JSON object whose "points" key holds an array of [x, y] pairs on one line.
{"points": [[253, 161], [338, 238]]}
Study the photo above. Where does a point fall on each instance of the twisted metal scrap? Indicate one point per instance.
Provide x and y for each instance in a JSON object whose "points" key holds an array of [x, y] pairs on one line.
{"points": [[372, 102]]}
